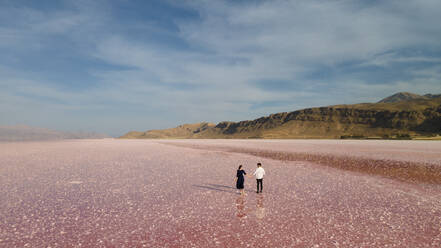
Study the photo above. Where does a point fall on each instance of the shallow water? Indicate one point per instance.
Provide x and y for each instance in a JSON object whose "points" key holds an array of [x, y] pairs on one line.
{"points": [[135, 193]]}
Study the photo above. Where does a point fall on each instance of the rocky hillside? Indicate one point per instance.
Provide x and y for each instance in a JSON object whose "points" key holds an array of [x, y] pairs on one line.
{"points": [[179, 132], [390, 118]]}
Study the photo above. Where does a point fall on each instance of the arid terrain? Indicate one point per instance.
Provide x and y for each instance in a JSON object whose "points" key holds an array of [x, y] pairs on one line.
{"points": [[400, 116], [180, 193]]}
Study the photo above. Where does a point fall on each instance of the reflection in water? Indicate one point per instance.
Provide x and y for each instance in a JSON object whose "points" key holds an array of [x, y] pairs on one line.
{"points": [[260, 210], [240, 205]]}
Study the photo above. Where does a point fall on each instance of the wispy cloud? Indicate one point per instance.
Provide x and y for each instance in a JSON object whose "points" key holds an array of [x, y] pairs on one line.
{"points": [[156, 64]]}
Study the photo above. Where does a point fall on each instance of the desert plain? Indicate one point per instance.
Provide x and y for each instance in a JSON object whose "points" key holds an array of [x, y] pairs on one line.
{"points": [[181, 193]]}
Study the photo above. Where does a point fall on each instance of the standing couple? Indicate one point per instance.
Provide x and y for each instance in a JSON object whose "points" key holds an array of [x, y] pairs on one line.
{"points": [[259, 173]]}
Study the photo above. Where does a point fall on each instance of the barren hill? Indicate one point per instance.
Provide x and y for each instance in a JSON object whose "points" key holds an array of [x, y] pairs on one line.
{"points": [[401, 115], [179, 132], [402, 96]]}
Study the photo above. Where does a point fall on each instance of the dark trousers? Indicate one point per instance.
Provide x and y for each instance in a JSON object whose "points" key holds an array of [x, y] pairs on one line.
{"points": [[259, 182]]}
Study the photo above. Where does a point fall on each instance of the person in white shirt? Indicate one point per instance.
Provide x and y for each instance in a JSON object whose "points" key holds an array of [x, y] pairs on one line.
{"points": [[259, 173]]}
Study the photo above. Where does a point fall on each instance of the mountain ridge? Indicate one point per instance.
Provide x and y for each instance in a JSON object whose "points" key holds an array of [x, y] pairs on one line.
{"points": [[400, 115], [401, 96]]}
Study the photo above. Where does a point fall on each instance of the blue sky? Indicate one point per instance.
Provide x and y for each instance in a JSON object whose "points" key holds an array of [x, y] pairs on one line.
{"points": [[115, 66]]}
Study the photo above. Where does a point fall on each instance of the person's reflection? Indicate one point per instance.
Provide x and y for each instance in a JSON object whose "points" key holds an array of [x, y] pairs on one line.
{"points": [[260, 210], [240, 205]]}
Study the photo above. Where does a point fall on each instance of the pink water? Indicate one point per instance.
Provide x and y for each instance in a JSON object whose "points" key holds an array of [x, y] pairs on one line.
{"points": [[141, 193]]}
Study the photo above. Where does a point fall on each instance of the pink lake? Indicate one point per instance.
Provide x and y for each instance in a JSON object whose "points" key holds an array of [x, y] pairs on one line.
{"points": [[180, 193]]}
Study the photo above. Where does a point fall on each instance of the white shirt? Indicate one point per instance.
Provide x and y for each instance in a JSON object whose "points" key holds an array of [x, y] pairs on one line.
{"points": [[259, 173]]}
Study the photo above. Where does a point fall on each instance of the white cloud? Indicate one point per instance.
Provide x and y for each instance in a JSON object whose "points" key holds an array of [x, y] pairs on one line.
{"points": [[232, 46]]}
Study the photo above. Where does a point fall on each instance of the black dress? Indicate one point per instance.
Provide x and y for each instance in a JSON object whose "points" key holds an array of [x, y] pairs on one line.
{"points": [[240, 179]]}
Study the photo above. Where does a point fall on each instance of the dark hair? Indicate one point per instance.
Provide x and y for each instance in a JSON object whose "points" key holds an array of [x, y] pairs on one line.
{"points": [[240, 166], [259, 164]]}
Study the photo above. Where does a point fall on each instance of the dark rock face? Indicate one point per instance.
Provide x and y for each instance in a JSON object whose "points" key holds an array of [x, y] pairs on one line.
{"points": [[432, 121], [203, 127]]}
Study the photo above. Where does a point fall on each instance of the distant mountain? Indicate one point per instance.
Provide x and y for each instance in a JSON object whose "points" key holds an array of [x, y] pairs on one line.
{"points": [[407, 96], [402, 96], [432, 96], [28, 133], [400, 115]]}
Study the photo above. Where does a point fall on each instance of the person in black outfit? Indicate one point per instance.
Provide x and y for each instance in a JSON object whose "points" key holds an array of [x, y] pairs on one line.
{"points": [[240, 180]]}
